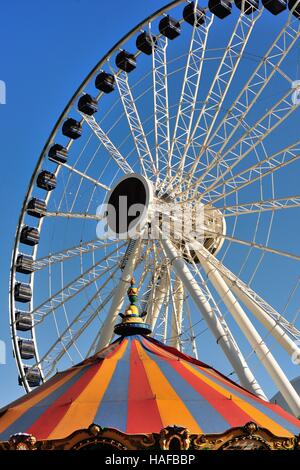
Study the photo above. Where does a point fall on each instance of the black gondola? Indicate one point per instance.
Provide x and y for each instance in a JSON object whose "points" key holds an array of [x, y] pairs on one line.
{"points": [[36, 208], [105, 82], [22, 292], [26, 348], [126, 61], [46, 180], [72, 128], [33, 377], [291, 5], [29, 235], [193, 15], [145, 43], [24, 321], [169, 27], [58, 154], [275, 6], [220, 8], [87, 105], [250, 5], [24, 264]]}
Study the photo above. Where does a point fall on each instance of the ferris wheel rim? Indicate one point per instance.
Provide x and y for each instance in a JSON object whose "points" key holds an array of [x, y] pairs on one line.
{"points": [[55, 130]]}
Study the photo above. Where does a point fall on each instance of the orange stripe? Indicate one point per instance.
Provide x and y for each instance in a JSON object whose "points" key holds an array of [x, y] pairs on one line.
{"points": [[83, 410], [171, 407], [18, 410], [259, 417]]}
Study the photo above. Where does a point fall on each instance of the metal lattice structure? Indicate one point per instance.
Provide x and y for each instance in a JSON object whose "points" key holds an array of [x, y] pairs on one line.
{"points": [[206, 125]]}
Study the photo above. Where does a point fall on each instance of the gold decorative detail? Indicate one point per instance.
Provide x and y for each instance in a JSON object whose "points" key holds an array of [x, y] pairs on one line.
{"points": [[174, 435]]}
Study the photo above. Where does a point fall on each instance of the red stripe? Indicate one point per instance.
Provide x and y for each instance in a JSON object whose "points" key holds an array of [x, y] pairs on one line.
{"points": [[143, 411], [52, 416]]}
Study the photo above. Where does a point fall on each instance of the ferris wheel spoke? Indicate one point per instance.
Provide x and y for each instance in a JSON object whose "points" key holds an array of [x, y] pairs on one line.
{"points": [[253, 244], [260, 206], [161, 105], [137, 131], [177, 294], [108, 144], [86, 177], [76, 286], [258, 171], [189, 92], [73, 215], [191, 327], [72, 252], [248, 142], [157, 297], [69, 335], [253, 89], [218, 91]]}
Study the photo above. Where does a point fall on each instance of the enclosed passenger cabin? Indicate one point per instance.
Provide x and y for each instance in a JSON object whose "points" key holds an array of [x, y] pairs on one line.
{"points": [[33, 377], [24, 321], [250, 5], [72, 128], [126, 61], [46, 180], [58, 154], [145, 42], [169, 27], [105, 82], [87, 105], [36, 208], [291, 5], [29, 235], [193, 15], [275, 6], [26, 348], [22, 292], [220, 8], [24, 264]]}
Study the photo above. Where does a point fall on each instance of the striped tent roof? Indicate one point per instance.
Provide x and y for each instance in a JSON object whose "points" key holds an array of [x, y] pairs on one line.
{"points": [[138, 385]]}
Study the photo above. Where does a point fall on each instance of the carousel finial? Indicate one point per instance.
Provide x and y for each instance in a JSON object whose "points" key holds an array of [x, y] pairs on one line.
{"points": [[132, 320]]}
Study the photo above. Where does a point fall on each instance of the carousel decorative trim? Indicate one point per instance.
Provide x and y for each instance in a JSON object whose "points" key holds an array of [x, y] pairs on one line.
{"points": [[248, 437]]}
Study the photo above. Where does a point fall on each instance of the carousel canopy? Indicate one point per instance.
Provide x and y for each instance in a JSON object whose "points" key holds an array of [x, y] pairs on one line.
{"points": [[138, 385]]}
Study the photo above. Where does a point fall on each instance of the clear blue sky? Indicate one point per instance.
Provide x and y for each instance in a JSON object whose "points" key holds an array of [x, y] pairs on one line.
{"points": [[47, 48]]}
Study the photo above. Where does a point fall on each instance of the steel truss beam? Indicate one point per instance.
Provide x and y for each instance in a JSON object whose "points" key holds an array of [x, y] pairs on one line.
{"points": [[108, 144], [161, 106], [252, 90], [216, 94]]}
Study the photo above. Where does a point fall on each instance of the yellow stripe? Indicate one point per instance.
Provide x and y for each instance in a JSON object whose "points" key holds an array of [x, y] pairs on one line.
{"points": [[17, 411], [259, 417], [83, 410], [171, 408]]}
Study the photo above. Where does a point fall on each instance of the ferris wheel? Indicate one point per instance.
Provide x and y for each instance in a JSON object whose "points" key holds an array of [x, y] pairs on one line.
{"points": [[195, 109]]}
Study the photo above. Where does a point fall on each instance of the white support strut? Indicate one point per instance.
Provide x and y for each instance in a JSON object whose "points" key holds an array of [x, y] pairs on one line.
{"points": [[118, 299], [157, 302], [176, 320], [263, 353], [229, 348]]}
